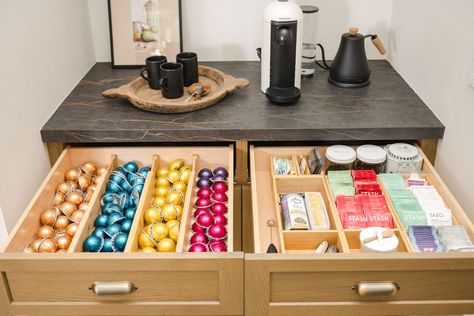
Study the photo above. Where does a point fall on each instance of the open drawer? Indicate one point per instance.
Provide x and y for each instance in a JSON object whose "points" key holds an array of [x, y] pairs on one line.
{"points": [[80, 283], [297, 281]]}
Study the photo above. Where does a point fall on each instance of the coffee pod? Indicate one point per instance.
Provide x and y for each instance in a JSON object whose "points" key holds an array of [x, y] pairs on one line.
{"points": [[217, 231], [119, 241], [49, 216], [197, 229], [74, 197], [221, 171], [204, 183], [217, 246], [47, 245], [203, 202], [166, 245], [219, 197], [221, 187], [89, 167], [199, 238], [204, 220], [205, 174], [200, 211], [220, 219], [131, 167], [198, 248], [204, 193], [73, 174], [219, 208], [93, 244], [45, 231], [71, 229]]}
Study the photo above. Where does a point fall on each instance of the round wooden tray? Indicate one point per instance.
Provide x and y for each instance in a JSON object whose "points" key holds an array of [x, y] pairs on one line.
{"points": [[141, 96]]}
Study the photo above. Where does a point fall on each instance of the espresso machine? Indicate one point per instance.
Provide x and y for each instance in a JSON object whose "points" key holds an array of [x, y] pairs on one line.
{"points": [[281, 52]]}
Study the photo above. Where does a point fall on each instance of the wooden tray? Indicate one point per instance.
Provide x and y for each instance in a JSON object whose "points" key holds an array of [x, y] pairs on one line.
{"points": [[141, 96]]}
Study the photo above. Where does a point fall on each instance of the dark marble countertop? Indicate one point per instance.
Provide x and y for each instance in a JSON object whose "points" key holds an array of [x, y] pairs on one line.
{"points": [[388, 109]]}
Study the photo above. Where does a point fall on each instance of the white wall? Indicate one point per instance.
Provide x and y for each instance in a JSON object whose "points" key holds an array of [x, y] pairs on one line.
{"points": [[231, 30], [432, 47], [46, 49]]}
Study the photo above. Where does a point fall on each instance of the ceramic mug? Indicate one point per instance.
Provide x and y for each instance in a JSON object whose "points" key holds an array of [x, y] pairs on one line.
{"points": [[153, 71], [171, 81], [190, 67]]}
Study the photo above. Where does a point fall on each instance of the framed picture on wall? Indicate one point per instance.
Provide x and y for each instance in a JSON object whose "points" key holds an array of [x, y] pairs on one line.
{"points": [[142, 28]]}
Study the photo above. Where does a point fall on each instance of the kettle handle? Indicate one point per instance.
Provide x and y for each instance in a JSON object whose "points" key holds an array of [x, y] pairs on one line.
{"points": [[378, 44]]}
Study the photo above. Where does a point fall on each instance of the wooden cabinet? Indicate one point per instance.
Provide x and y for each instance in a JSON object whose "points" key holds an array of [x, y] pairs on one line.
{"points": [[178, 283], [298, 282]]}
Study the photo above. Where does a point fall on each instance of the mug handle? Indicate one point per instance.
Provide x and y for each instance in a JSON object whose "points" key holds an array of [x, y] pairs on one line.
{"points": [[164, 82], [142, 73]]}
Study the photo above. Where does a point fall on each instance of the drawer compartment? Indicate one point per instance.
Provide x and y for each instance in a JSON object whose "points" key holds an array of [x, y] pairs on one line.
{"points": [[178, 283], [296, 281]]}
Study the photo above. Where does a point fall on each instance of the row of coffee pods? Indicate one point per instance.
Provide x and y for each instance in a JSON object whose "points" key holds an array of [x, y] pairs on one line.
{"points": [[71, 199], [209, 215], [163, 216], [118, 207]]}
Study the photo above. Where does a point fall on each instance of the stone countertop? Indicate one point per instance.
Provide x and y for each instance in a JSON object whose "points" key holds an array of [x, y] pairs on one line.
{"points": [[388, 109]]}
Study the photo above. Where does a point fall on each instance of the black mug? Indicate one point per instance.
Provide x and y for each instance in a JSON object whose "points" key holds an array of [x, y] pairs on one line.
{"points": [[190, 65], [171, 80], [152, 69]]}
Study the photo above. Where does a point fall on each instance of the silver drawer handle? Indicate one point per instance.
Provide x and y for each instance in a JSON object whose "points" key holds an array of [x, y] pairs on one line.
{"points": [[112, 287], [376, 288]]}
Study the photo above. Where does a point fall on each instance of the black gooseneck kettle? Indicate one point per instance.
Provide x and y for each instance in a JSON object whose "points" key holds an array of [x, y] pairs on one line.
{"points": [[350, 68]]}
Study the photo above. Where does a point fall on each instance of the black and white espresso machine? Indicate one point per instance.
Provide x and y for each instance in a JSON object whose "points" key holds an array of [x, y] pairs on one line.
{"points": [[281, 52]]}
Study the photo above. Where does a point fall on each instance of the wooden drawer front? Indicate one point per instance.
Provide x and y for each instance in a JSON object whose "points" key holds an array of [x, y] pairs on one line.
{"points": [[302, 285], [172, 284]]}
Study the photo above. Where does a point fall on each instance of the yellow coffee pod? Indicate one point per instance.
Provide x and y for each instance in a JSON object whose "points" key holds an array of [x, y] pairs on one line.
{"points": [[162, 182], [162, 172], [148, 250], [144, 241], [174, 197], [174, 232], [169, 212], [171, 223], [158, 201], [184, 175], [167, 245], [159, 231], [152, 215], [179, 186], [161, 191], [173, 176], [179, 212], [185, 167], [175, 165]]}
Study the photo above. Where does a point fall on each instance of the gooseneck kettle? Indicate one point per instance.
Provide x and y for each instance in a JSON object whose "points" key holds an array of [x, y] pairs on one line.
{"points": [[350, 68]]}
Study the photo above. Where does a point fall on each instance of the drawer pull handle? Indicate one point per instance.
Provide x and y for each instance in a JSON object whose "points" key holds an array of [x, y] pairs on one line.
{"points": [[376, 288], [112, 287]]}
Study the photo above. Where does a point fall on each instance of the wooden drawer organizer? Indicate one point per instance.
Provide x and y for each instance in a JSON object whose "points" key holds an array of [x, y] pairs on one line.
{"points": [[178, 283], [297, 281]]}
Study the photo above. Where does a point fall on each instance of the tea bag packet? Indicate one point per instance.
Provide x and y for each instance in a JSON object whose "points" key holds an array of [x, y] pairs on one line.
{"points": [[315, 161], [392, 180], [437, 213], [454, 238], [368, 188], [400, 194], [351, 211], [410, 212], [415, 180], [376, 211], [341, 182], [303, 165], [424, 239], [364, 176], [282, 166], [316, 209], [340, 177]]}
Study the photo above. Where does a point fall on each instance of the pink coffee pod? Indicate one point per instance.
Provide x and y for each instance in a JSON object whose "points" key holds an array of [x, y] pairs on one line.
{"points": [[220, 219], [217, 246], [219, 208], [196, 229], [200, 211], [203, 202], [204, 193], [217, 231], [219, 197], [221, 187], [198, 248], [204, 220], [199, 238]]}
